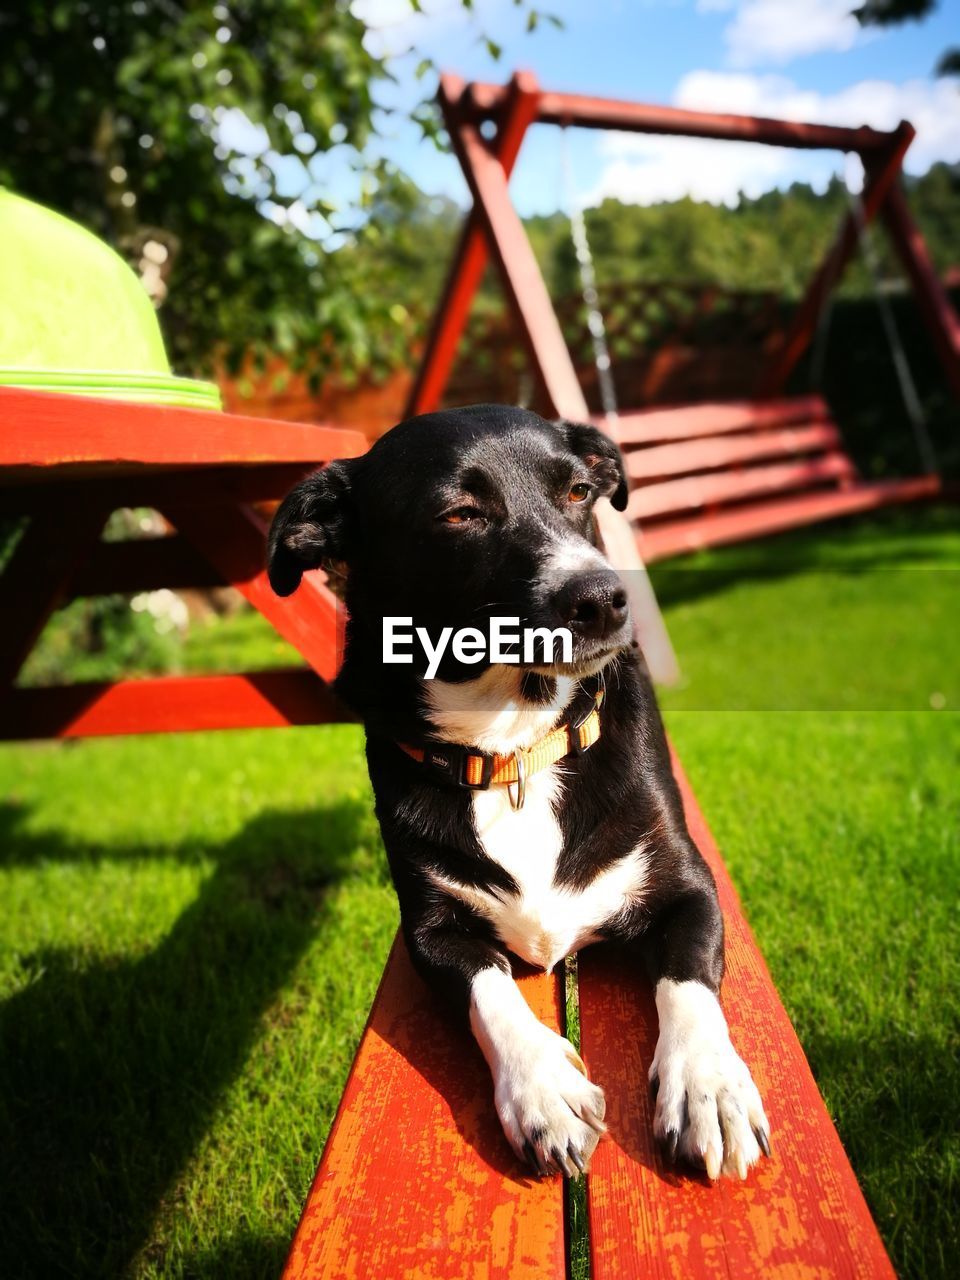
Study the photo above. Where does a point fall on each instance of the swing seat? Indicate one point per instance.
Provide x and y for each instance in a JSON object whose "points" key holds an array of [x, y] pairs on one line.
{"points": [[702, 475]]}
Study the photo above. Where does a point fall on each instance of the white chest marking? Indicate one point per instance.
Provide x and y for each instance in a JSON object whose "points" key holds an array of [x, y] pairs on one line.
{"points": [[543, 922]]}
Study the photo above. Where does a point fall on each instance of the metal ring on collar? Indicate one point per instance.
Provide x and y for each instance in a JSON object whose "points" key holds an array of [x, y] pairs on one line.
{"points": [[520, 784]]}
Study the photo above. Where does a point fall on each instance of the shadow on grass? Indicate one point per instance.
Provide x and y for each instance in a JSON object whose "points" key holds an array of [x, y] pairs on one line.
{"points": [[110, 1072], [252, 1257], [896, 1105]]}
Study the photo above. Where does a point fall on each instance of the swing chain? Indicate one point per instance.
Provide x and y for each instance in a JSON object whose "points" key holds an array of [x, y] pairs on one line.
{"points": [[588, 285]]}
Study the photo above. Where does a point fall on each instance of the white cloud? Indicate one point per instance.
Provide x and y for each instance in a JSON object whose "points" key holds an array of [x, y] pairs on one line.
{"points": [[395, 28], [765, 32], [646, 170]]}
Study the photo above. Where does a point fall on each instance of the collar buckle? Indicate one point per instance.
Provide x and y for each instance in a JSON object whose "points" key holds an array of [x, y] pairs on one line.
{"points": [[486, 771]]}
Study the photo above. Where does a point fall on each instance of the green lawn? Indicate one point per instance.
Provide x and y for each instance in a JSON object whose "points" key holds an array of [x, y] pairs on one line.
{"points": [[192, 927]]}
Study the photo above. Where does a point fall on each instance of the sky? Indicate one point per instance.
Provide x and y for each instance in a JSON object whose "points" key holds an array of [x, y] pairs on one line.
{"points": [[799, 59]]}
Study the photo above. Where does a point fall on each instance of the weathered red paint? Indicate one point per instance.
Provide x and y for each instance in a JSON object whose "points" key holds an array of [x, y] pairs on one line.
{"points": [[526, 290], [799, 1214], [695, 487], [416, 1179]]}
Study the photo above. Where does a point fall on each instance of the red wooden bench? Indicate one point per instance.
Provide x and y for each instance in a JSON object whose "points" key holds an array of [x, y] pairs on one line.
{"points": [[417, 1180], [705, 474]]}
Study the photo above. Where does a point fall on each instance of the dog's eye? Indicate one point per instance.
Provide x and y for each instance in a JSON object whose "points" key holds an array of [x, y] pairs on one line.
{"points": [[461, 515], [578, 492]]}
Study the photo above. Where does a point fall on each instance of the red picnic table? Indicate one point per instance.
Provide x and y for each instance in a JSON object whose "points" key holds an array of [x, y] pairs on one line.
{"points": [[66, 463]]}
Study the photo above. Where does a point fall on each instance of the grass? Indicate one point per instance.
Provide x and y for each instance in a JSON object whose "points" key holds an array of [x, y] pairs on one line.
{"points": [[192, 927]]}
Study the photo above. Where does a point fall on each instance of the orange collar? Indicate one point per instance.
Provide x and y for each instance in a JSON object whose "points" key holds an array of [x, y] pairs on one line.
{"points": [[478, 770]]}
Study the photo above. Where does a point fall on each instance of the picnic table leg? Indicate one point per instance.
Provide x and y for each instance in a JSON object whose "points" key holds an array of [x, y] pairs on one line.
{"points": [[233, 537], [38, 576]]}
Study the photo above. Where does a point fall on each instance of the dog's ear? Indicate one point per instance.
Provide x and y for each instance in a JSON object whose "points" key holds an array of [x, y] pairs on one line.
{"points": [[603, 458], [312, 525]]}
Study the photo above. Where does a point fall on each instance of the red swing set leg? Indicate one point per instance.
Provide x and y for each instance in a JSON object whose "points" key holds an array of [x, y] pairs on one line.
{"points": [[881, 179]]}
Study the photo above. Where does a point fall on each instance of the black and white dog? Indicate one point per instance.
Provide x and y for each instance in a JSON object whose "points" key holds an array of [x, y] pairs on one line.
{"points": [[452, 519]]}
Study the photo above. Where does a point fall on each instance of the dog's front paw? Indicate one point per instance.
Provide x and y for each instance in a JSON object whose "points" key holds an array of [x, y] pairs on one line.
{"points": [[708, 1109], [551, 1113]]}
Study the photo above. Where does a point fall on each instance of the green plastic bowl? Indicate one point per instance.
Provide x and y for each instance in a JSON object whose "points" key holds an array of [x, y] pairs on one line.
{"points": [[75, 319]]}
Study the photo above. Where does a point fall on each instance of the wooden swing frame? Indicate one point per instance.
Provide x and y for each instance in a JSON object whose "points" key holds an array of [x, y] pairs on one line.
{"points": [[487, 124]]}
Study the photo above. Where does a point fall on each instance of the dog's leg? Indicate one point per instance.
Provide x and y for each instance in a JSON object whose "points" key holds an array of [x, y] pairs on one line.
{"points": [[551, 1113], [708, 1109]]}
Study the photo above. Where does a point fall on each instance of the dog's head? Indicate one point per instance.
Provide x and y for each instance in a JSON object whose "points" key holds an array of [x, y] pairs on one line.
{"points": [[456, 517]]}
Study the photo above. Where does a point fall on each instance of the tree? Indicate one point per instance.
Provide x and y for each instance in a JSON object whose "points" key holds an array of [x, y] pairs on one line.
{"points": [[887, 13], [116, 112]]}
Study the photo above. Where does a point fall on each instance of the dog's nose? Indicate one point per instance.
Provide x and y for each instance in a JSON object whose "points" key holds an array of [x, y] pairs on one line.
{"points": [[592, 604]]}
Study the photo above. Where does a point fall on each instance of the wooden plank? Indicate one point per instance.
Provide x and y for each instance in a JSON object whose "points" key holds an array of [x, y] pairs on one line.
{"points": [[709, 454], [763, 518], [36, 579], [882, 174], [24, 490], [416, 1179], [143, 564], [232, 538], [689, 421], [800, 1213], [43, 429], [170, 704], [588, 112], [695, 492], [470, 257], [934, 304], [526, 291]]}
